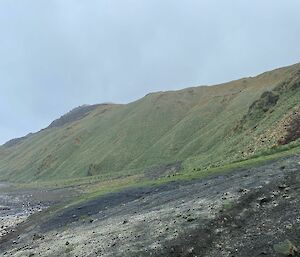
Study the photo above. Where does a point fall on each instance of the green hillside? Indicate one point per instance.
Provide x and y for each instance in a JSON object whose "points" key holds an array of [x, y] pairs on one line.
{"points": [[162, 133]]}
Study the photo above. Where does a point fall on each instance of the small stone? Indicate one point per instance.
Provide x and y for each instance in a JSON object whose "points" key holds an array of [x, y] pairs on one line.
{"points": [[242, 190], [264, 200], [190, 250], [37, 236], [190, 219], [67, 243], [282, 186], [288, 225]]}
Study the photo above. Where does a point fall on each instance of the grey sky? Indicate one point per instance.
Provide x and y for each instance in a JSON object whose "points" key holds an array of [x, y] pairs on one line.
{"points": [[58, 54]]}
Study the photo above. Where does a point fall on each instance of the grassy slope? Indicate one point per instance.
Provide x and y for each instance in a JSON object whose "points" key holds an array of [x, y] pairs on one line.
{"points": [[194, 125]]}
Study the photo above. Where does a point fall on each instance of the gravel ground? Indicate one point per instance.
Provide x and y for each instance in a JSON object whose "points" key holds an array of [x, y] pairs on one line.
{"points": [[16, 205], [244, 213]]}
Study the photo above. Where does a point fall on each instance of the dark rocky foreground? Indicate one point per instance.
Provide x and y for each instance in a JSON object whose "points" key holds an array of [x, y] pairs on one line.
{"points": [[253, 212], [17, 205]]}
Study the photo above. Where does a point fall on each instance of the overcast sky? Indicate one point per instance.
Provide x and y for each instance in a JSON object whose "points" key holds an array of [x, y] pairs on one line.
{"points": [[59, 54]]}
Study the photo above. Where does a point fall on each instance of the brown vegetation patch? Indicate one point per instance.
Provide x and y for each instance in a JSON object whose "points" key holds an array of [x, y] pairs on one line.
{"points": [[46, 163], [291, 126]]}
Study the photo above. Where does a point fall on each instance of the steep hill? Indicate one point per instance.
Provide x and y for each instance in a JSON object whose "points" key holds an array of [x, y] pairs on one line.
{"points": [[162, 133]]}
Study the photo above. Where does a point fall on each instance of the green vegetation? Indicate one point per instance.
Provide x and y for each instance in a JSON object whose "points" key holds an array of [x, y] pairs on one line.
{"points": [[227, 206], [205, 129], [96, 188], [286, 248]]}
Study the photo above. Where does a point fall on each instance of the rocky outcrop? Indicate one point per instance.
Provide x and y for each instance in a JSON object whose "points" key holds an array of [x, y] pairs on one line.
{"points": [[74, 115]]}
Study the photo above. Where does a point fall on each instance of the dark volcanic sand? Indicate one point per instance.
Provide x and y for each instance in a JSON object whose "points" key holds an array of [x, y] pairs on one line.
{"points": [[243, 213]]}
